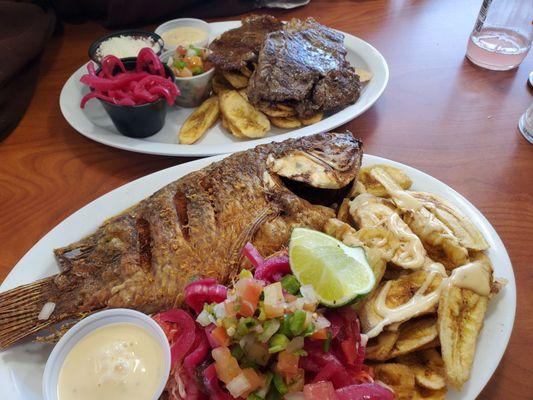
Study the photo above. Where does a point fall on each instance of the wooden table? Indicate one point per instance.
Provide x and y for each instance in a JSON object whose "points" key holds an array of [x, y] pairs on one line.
{"points": [[439, 114]]}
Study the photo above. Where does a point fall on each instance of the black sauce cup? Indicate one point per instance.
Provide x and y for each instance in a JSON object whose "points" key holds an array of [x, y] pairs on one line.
{"points": [[138, 121]]}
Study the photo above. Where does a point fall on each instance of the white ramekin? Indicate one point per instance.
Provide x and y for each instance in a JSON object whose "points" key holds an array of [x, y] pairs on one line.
{"points": [[88, 325], [192, 22]]}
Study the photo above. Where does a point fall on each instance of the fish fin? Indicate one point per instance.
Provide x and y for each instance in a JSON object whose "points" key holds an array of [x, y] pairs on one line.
{"points": [[20, 308], [235, 253]]}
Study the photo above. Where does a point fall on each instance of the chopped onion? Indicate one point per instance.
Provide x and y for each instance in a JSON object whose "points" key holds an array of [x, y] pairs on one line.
{"points": [[364, 339], [238, 385], [220, 310], [308, 293], [321, 323], [46, 311], [297, 304], [295, 344], [205, 318]]}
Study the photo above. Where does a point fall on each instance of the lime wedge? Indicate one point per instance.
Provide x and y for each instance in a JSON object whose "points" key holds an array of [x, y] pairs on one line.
{"points": [[338, 273]]}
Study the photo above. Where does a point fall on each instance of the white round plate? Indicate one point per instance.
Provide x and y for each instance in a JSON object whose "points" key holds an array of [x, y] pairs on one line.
{"points": [[21, 367], [94, 123]]}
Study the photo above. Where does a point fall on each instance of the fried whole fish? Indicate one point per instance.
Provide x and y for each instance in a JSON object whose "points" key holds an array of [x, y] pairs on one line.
{"points": [[194, 227]]}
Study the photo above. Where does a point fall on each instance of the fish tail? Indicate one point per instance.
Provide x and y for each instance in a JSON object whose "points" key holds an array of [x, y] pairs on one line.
{"points": [[20, 309]]}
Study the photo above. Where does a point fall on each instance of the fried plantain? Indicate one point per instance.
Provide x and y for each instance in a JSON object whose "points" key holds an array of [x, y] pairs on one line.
{"points": [[460, 318], [219, 84], [237, 80], [466, 232], [364, 75], [277, 110], [312, 119], [199, 121], [380, 347], [241, 117], [397, 376], [413, 335], [374, 187], [285, 122]]}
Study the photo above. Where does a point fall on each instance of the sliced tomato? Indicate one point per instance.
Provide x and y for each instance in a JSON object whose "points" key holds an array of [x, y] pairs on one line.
{"points": [[226, 365], [248, 292], [319, 391]]}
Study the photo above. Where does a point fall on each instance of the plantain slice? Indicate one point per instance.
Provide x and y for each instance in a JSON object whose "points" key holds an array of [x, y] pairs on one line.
{"points": [[431, 231], [236, 79], [428, 367], [278, 110], [343, 213], [427, 394], [285, 122], [415, 334], [364, 75], [463, 229], [199, 121], [380, 347], [372, 186], [241, 117], [398, 377], [219, 84], [460, 318], [312, 119]]}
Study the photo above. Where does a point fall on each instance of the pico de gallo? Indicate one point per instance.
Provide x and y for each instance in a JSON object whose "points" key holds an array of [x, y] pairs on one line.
{"points": [[189, 61], [267, 337]]}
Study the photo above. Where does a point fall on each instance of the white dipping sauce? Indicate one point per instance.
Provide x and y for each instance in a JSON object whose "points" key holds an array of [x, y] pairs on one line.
{"points": [[184, 35], [116, 362]]}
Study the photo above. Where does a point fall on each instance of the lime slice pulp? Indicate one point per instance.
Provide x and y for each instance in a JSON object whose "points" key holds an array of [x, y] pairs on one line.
{"points": [[338, 273]]}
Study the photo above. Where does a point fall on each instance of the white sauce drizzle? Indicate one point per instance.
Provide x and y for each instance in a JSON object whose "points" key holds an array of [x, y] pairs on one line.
{"points": [[474, 276]]}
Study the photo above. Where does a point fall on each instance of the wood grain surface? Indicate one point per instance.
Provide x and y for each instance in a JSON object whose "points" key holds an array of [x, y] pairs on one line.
{"points": [[439, 114]]}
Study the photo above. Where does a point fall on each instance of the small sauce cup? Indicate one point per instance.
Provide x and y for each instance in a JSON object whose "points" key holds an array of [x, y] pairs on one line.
{"points": [[185, 23], [87, 326]]}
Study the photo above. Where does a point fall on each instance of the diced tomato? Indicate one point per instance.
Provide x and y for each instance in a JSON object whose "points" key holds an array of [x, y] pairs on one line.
{"points": [[226, 365], [319, 391], [274, 306], [248, 292], [321, 334], [296, 382], [220, 335], [255, 380], [287, 363]]}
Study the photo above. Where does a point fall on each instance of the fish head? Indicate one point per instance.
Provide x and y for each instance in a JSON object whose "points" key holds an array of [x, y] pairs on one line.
{"points": [[316, 167]]}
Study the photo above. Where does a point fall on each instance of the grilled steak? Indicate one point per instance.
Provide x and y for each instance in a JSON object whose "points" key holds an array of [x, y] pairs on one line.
{"points": [[237, 47], [304, 65]]}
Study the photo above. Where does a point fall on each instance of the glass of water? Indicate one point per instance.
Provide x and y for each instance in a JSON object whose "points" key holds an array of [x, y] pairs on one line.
{"points": [[502, 35], [525, 124]]}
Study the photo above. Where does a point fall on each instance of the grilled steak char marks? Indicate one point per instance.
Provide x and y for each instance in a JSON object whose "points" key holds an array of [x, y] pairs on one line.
{"points": [[304, 65], [237, 47], [194, 227]]}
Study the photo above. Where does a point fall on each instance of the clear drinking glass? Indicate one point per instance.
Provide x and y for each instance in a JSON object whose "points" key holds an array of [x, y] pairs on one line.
{"points": [[525, 124], [502, 35]]}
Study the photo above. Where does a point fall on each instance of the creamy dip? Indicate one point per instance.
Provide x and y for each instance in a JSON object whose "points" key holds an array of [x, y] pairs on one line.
{"points": [[120, 362], [183, 35]]}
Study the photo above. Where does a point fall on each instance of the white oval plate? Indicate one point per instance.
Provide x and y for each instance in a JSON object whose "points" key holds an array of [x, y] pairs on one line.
{"points": [[21, 367], [94, 123]]}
